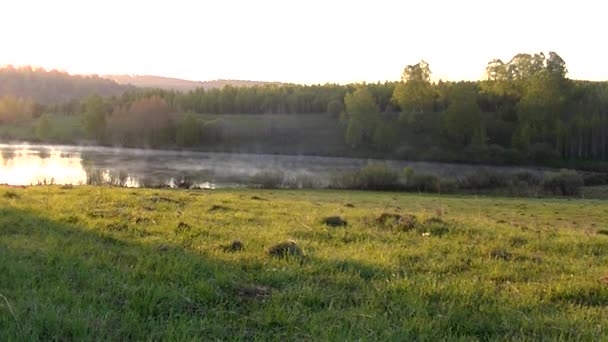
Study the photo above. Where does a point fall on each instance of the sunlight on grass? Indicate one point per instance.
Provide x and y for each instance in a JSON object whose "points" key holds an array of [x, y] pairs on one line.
{"points": [[109, 263]]}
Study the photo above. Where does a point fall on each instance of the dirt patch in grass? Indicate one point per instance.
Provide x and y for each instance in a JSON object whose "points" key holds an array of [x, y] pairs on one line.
{"points": [[163, 248], [216, 207], [157, 199], [334, 221], [234, 246], [253, 292], [257, 198], [583, 296], [11, 195], [102, 213], [144, 220], [385, 218], [285, 249], [117, 227], [500, 254], [433, 220], [602, 231], [70, 219], [183, 227], [517, 241], [396, 221]]}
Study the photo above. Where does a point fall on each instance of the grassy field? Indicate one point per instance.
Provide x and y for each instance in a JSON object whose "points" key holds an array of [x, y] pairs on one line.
{"points": [[113, 264]]}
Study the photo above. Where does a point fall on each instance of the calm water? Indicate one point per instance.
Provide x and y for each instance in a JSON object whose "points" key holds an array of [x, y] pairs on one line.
{"points": [[25, 164]]}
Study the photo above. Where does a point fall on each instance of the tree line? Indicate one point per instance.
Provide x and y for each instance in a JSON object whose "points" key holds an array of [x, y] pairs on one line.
{"points": [[525, 110]]}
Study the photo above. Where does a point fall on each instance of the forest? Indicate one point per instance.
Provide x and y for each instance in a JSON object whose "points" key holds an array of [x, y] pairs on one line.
{"points": [[525, 111]]}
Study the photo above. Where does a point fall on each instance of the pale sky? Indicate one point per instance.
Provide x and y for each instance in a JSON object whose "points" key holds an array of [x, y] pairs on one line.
{"points": [[312, 41]]}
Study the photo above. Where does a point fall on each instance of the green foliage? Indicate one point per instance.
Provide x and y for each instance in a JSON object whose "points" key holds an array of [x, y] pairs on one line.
{"points": [[14, 109], [44, 128], [373, 176], [463, 119], [422, 182], [526, 111], [385, 136], [414, 94], [146, 122], [378, 176], [188, 132], [94, 117], [335, 107], [362, 114], [565, 183], [54, 87], [268, 179], [485, 179]]}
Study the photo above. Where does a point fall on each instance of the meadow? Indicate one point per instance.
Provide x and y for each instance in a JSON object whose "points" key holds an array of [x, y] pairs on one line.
{"points": [[100, 263]]}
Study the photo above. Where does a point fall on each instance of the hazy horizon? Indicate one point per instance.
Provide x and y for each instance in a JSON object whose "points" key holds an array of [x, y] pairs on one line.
{"points": [[311, 42]]}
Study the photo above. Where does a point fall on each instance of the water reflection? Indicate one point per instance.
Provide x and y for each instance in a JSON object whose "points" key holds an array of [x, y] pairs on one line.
{"points": [[23, 166], [40, 164], [35, 164], [7, 155]]}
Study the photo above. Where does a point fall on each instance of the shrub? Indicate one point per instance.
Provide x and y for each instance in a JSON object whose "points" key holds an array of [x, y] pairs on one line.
{"points": [[267, 179], [335, 107], [374, 176], [377, 176], [344, 180], [485, 179], [593, 179], [422, 182], [566, 183], [448, 185], [528, 178], [301, 182]]}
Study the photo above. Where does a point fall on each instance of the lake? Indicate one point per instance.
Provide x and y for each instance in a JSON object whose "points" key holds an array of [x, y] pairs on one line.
{"points": [[26, 164]]}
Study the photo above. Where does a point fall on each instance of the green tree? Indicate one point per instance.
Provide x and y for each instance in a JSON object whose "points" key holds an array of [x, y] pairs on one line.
{"points": [[463, 119], [94, 119], [188, 131], [414, 94], [335, 107], [361, 115], [385, 136], [44, 127]]}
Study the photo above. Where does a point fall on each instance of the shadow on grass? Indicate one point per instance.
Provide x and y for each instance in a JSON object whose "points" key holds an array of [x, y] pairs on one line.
{"points": [[65, 281]]}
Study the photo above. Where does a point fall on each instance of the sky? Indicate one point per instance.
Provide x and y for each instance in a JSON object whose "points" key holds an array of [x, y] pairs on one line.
{"points": [[311, 41]]}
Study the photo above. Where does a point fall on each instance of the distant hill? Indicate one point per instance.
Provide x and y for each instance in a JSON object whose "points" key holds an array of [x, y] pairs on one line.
{"points": [[47, 87], [167, 83]]}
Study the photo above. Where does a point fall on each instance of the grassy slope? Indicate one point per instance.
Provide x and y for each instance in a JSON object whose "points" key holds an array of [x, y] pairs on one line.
{"points": [[114, 264]]}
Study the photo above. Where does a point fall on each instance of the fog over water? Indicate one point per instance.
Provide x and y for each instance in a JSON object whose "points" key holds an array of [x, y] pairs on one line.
{"points": [[25, 164]]}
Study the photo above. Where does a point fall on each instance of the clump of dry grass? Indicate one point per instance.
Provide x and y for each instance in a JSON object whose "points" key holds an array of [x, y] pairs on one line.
{"points": [[218, 208], [285, 249], [11, 195], [334, 221], [500, 254], [396, 221], [253, 292], [234, 246]]}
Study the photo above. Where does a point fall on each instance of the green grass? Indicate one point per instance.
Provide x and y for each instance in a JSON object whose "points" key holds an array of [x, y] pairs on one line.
{"points": [[63, 129], [88, 263]]}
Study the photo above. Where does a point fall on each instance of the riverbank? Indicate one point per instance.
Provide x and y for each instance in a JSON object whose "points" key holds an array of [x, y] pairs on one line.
{"points": [[115, 263]]}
